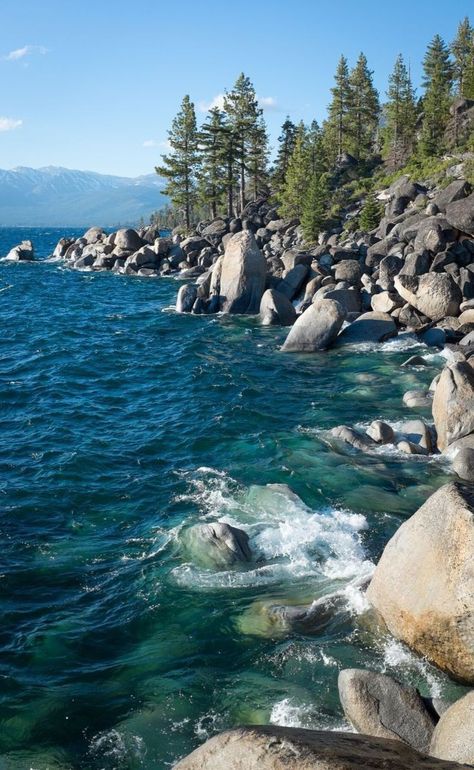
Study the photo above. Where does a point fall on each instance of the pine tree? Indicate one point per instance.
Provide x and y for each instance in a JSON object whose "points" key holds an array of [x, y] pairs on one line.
{"points": [[401, 115], [462, 49], [371, 213], [297, 177], [337, 124], [437, 82], [241, 106], [258, 159], [468, 81], [363, 110], [315, 149], [315, 205], [213, 167], [179, 167], [286, 142]]}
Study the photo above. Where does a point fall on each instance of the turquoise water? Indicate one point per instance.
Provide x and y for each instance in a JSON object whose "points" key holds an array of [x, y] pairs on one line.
{"points": [[124, 423]]}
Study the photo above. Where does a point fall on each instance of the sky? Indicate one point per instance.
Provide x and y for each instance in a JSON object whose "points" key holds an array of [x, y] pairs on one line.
{"points": [[95, 84]]}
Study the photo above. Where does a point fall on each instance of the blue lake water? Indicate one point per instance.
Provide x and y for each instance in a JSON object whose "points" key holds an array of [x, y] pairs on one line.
{"points": [[122, 425]]}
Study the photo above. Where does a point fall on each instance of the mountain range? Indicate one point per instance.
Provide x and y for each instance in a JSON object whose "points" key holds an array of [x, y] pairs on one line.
{"points": [[55, 197]]}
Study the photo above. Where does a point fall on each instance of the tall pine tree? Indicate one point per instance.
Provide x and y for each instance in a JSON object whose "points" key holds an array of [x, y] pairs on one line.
{"points": [[363, 112], [400, 114], [462, 49], [315, 203], [213, 166], [286, 142], [336, 130], [438, 79], [297, 177], [241, 106], [180, 166]]}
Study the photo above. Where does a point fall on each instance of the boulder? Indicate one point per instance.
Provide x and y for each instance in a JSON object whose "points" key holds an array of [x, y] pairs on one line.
{"points": [[128, 239], [435, 295], [385, 302], [24, 252], [381, 432], [378, 705], [276, 309], [453, 403], [215, 232], [417, 399], [186, 298], [423, 585], [93, 235], [292, 281], [218, 545], [369, 327], [409, 448], [242, 275], [354, 438], [460, 214], [348, 299], [291, 748], [316, 329], [417, 432], [463, 463], [348, 270], [455, 191], [453, 738], [389, 267]]}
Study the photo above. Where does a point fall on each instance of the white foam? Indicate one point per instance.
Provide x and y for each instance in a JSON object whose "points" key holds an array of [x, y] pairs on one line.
{"points": [[397, 656], [288, 539]]}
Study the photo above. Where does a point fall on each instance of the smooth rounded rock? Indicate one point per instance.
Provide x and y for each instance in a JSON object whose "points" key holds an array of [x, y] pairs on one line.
{"points": [[276, 309], [378, 705], [316, 329], [453, 738], [369, 327], [423, 585]]}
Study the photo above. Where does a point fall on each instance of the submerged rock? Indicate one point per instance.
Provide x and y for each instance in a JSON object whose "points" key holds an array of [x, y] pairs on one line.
{"points": [[354, 438], [423, 586], [290, 748], [218, 545], [380, 432], [378, 705]]}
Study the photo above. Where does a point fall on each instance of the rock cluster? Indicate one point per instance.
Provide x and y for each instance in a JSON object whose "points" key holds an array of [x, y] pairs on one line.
{"points": [[24, 252]]}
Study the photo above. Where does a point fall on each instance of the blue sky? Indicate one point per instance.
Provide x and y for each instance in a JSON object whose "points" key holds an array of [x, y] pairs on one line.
{"points": [[94, 84]]}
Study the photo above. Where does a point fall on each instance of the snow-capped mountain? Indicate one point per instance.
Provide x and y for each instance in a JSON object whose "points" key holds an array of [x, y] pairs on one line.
{"points": [[54, 196]]}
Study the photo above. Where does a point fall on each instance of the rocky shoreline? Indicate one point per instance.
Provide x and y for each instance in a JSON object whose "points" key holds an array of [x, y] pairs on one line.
{"points": [[415, 274]]}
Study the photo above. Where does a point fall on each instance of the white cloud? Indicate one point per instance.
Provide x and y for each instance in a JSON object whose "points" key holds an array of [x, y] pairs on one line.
{"points": [[9, 124], [217, 101], [154, 143], [27, 50], [267, 103]]}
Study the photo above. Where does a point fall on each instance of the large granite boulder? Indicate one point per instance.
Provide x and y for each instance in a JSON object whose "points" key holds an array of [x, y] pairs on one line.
{"points": [[242, 275], [436, 295], [217, 545], [423, 586], [290, 748], [276, 309], [128, 240], [460, 214], [378, 705], [316, 328], [24, 252], [373, 326], [186, 298], [453, 738], [453, 403], [293, 280], [455, 191]]}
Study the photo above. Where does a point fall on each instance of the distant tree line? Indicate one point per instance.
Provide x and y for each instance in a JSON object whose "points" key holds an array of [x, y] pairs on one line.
{"points": [[217, 168]]}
